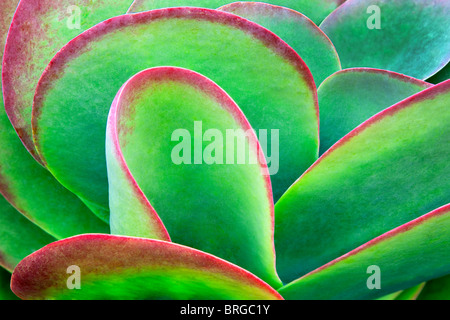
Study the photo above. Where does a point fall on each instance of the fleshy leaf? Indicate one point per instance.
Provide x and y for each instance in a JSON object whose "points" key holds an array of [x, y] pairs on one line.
{"points": [[205, 195], [315, 10], [110, 265], [350, 97], [5, 291], [267, 79], [39, 30], [405, 36], [404, 257], [442, 75], [28, 186], [386, 172], [18, 236], [297, 30], [437, 289]]}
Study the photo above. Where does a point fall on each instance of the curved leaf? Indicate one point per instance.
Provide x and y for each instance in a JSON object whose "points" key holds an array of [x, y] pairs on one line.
{"points": [[384, 173], [114, 267], [316, 10], [297, 30], [39, 30], [154, 114], [18, 236], [437, 289], [350, 97], [261, 73], [29, 187], [405, 36], [403, 257]]}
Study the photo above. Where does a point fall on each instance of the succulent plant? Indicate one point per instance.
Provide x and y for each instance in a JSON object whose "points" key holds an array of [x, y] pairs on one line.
{"points": [[171, 149]]}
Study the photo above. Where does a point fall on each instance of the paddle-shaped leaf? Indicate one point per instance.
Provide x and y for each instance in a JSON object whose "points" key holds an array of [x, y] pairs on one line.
{"points": [[39, 30], [176, 142], [386, 172], [29, 187], [18, 236], [261, 73], [316, 10], [406, 36], [404, 257], [350, 97], [297, 30], [110, 265]]}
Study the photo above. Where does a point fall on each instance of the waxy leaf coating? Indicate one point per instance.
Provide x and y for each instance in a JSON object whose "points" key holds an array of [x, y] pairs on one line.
{"points": [[316, 10], [297, 30], [406, 256], [405, 36], [29, 187], [110, 265], [267, 79], [350, 97], [39, 30], [205, 200], [384, 173]]}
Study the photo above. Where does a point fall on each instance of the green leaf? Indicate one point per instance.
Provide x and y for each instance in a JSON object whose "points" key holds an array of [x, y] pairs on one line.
{"points": [[405, 36], [350, 97], [19, 237], [404, 257], [190, 135], [316, 10], [411, 293], [384, 173], [28, 186], [297, 30], [261, 73], [110, 265], [5, 291], [40, 29], [437, 289]]}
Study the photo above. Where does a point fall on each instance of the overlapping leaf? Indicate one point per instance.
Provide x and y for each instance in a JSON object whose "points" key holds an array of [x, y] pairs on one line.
{"points": [[406, 36], [261, 73], [28, 186], [111, 265], [386, 172], [203, 172], [406, 256], [350, 97], [316, 10], [18, 236], [39, 30], [297, 30]]}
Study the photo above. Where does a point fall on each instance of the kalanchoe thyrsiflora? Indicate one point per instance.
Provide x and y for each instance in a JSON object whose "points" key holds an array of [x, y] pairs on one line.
{"points": [[123, 158]]}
